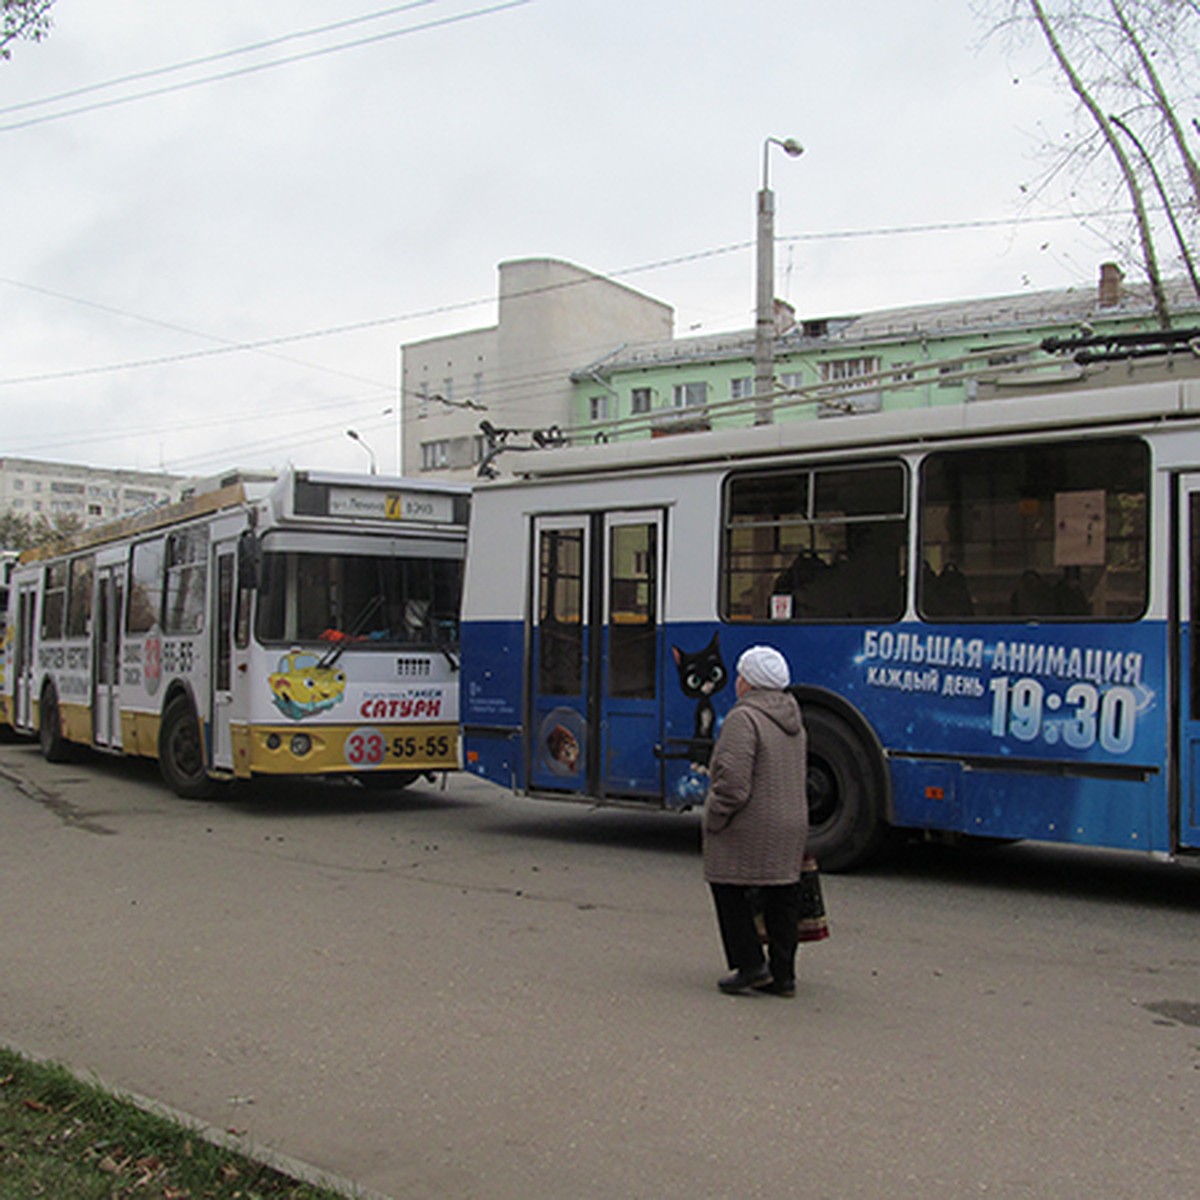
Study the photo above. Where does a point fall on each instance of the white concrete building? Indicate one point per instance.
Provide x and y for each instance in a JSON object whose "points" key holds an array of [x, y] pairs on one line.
{"points": [[517, 373], [32, 488]]}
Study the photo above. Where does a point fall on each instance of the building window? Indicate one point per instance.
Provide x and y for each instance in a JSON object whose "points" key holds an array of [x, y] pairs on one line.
{"points": [[840, 370], [435, 456], [690, 395], [741, 388], [598, 408], [791, 381], [847, 371], [639, 400]]}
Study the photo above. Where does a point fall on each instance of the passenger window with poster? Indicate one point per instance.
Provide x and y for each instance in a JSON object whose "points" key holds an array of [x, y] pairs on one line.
{"points": [[187, 576], [54, 601], [1055, 531], [145, 587], [821, 544], [79, 597]]}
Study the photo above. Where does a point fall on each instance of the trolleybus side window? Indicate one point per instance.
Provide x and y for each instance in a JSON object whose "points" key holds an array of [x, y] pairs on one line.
{"points": [[823, 543], [145, 587], [634, 622], [187, 572], [54, 601], [1044, 531], [79, 596], [560, 612]]}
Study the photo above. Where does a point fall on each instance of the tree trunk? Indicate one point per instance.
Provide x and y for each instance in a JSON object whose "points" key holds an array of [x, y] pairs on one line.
{"points": [[1149, 257]]}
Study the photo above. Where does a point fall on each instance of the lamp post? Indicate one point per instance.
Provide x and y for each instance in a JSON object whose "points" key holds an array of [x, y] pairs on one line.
{"points": [[764, 320], [353, 435]]}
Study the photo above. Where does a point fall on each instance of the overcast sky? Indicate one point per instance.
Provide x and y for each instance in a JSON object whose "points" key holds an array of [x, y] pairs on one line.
{"points": [[355, 199]]}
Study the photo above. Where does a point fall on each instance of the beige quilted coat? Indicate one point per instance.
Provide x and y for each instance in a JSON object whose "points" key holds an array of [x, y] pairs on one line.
{"points": [[756, 814]]}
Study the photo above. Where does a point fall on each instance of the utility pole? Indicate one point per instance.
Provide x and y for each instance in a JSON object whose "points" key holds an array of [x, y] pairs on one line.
{"points": [[764, 320]]}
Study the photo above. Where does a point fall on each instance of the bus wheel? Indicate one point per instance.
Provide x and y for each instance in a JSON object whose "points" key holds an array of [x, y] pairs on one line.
{"points": [[846, 826], [180, 752], [387, 781], [54, 746]]}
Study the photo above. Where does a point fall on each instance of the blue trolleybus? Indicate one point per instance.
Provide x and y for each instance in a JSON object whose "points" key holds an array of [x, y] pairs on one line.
{"points": [[990, 610]]}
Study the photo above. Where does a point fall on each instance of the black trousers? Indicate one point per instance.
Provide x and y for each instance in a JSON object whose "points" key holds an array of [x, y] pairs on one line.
{"points": [[780, 907]]}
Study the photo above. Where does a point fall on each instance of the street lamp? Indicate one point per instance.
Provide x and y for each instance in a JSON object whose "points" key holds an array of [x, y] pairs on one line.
{"points": [[764, 320], [353, 435]]}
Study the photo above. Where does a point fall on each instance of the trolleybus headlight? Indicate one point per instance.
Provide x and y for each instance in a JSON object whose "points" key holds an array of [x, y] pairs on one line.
{"points": [[301, 744], [274, 741]]}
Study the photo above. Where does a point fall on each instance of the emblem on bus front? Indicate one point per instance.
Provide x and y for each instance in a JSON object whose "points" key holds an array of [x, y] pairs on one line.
{"points": [[301, 687]]}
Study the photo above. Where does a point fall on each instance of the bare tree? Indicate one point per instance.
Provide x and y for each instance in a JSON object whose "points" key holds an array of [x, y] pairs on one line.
{"points": [[24, 20], [1131, 65]]}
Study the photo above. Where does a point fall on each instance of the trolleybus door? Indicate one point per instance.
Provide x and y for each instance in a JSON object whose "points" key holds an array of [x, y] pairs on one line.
{"points": [[595, 686], [23, 664], [223, 654], [560, 755], [1188, 603], [106, 657], [629, 687]]}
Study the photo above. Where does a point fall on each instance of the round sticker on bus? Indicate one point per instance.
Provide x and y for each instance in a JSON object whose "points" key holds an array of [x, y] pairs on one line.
{"points": [[365, 747], [561, 742]]}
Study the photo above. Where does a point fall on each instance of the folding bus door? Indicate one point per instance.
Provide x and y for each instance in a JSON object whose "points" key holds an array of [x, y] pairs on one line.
{"points": [[1188, 642], [561, 645], [106, 657], [22, 662], [224, 675], [595, 664], [630, 685]]}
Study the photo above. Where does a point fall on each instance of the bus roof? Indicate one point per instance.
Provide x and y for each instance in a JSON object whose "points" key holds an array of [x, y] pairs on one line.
{"points": [[199, 505], [1128, 392]]}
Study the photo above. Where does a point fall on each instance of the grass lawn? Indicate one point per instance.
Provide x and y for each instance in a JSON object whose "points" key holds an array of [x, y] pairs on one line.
{"points": [[62, 1139]]}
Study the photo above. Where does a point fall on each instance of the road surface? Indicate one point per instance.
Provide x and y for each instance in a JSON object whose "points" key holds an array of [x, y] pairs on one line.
{"points": [[455, 993]]}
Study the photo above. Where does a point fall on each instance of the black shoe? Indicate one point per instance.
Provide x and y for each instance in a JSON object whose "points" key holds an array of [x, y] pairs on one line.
{"points": [[742, 981], [775, 987]]}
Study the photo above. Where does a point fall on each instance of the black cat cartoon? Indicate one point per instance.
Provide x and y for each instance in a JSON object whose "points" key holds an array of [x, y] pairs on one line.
{"points": [[702, 674]]}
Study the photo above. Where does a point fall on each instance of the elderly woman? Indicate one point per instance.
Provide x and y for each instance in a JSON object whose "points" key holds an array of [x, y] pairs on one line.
{"points": [[756, 824]]}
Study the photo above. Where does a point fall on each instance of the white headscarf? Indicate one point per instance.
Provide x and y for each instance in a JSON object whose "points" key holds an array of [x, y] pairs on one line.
{"points": [[764, 667]]}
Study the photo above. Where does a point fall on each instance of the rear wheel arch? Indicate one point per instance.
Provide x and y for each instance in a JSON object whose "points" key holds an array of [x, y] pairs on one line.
{"points": [[849, 785]]}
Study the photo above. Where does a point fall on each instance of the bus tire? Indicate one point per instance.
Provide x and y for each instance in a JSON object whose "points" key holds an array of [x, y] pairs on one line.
{"points": [[847, 825], [54, 746], [181, 752], [388, 781]]}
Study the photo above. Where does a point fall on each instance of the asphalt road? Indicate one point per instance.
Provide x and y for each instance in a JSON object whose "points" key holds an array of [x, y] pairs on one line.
{"points": [[460, 994]]}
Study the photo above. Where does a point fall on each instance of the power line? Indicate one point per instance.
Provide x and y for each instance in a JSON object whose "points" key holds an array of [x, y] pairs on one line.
{"points": [[262, 344], [253, 48], [424, 27], [176, 328]]}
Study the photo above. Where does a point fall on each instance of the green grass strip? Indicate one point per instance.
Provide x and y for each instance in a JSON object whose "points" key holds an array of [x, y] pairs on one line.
{"points": [[63, 1139]]}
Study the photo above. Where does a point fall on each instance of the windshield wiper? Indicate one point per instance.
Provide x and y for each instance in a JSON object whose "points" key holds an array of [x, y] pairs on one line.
{"points": [[336, 651]]}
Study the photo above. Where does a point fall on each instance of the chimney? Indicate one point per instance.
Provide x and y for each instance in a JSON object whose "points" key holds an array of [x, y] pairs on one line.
{"points": [[785, 317], [1111, 279]]}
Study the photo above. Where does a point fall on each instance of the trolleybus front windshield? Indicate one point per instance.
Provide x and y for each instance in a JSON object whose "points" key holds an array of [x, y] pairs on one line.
{"points": [[359, 599]]}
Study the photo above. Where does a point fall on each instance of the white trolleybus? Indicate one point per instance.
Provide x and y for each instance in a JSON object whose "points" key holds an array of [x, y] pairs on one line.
{"points": [[303, 626], [991, 611]]}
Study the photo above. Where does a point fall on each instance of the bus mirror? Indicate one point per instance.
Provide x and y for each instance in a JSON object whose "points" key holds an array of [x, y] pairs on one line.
{"points": [[249, 558]]}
